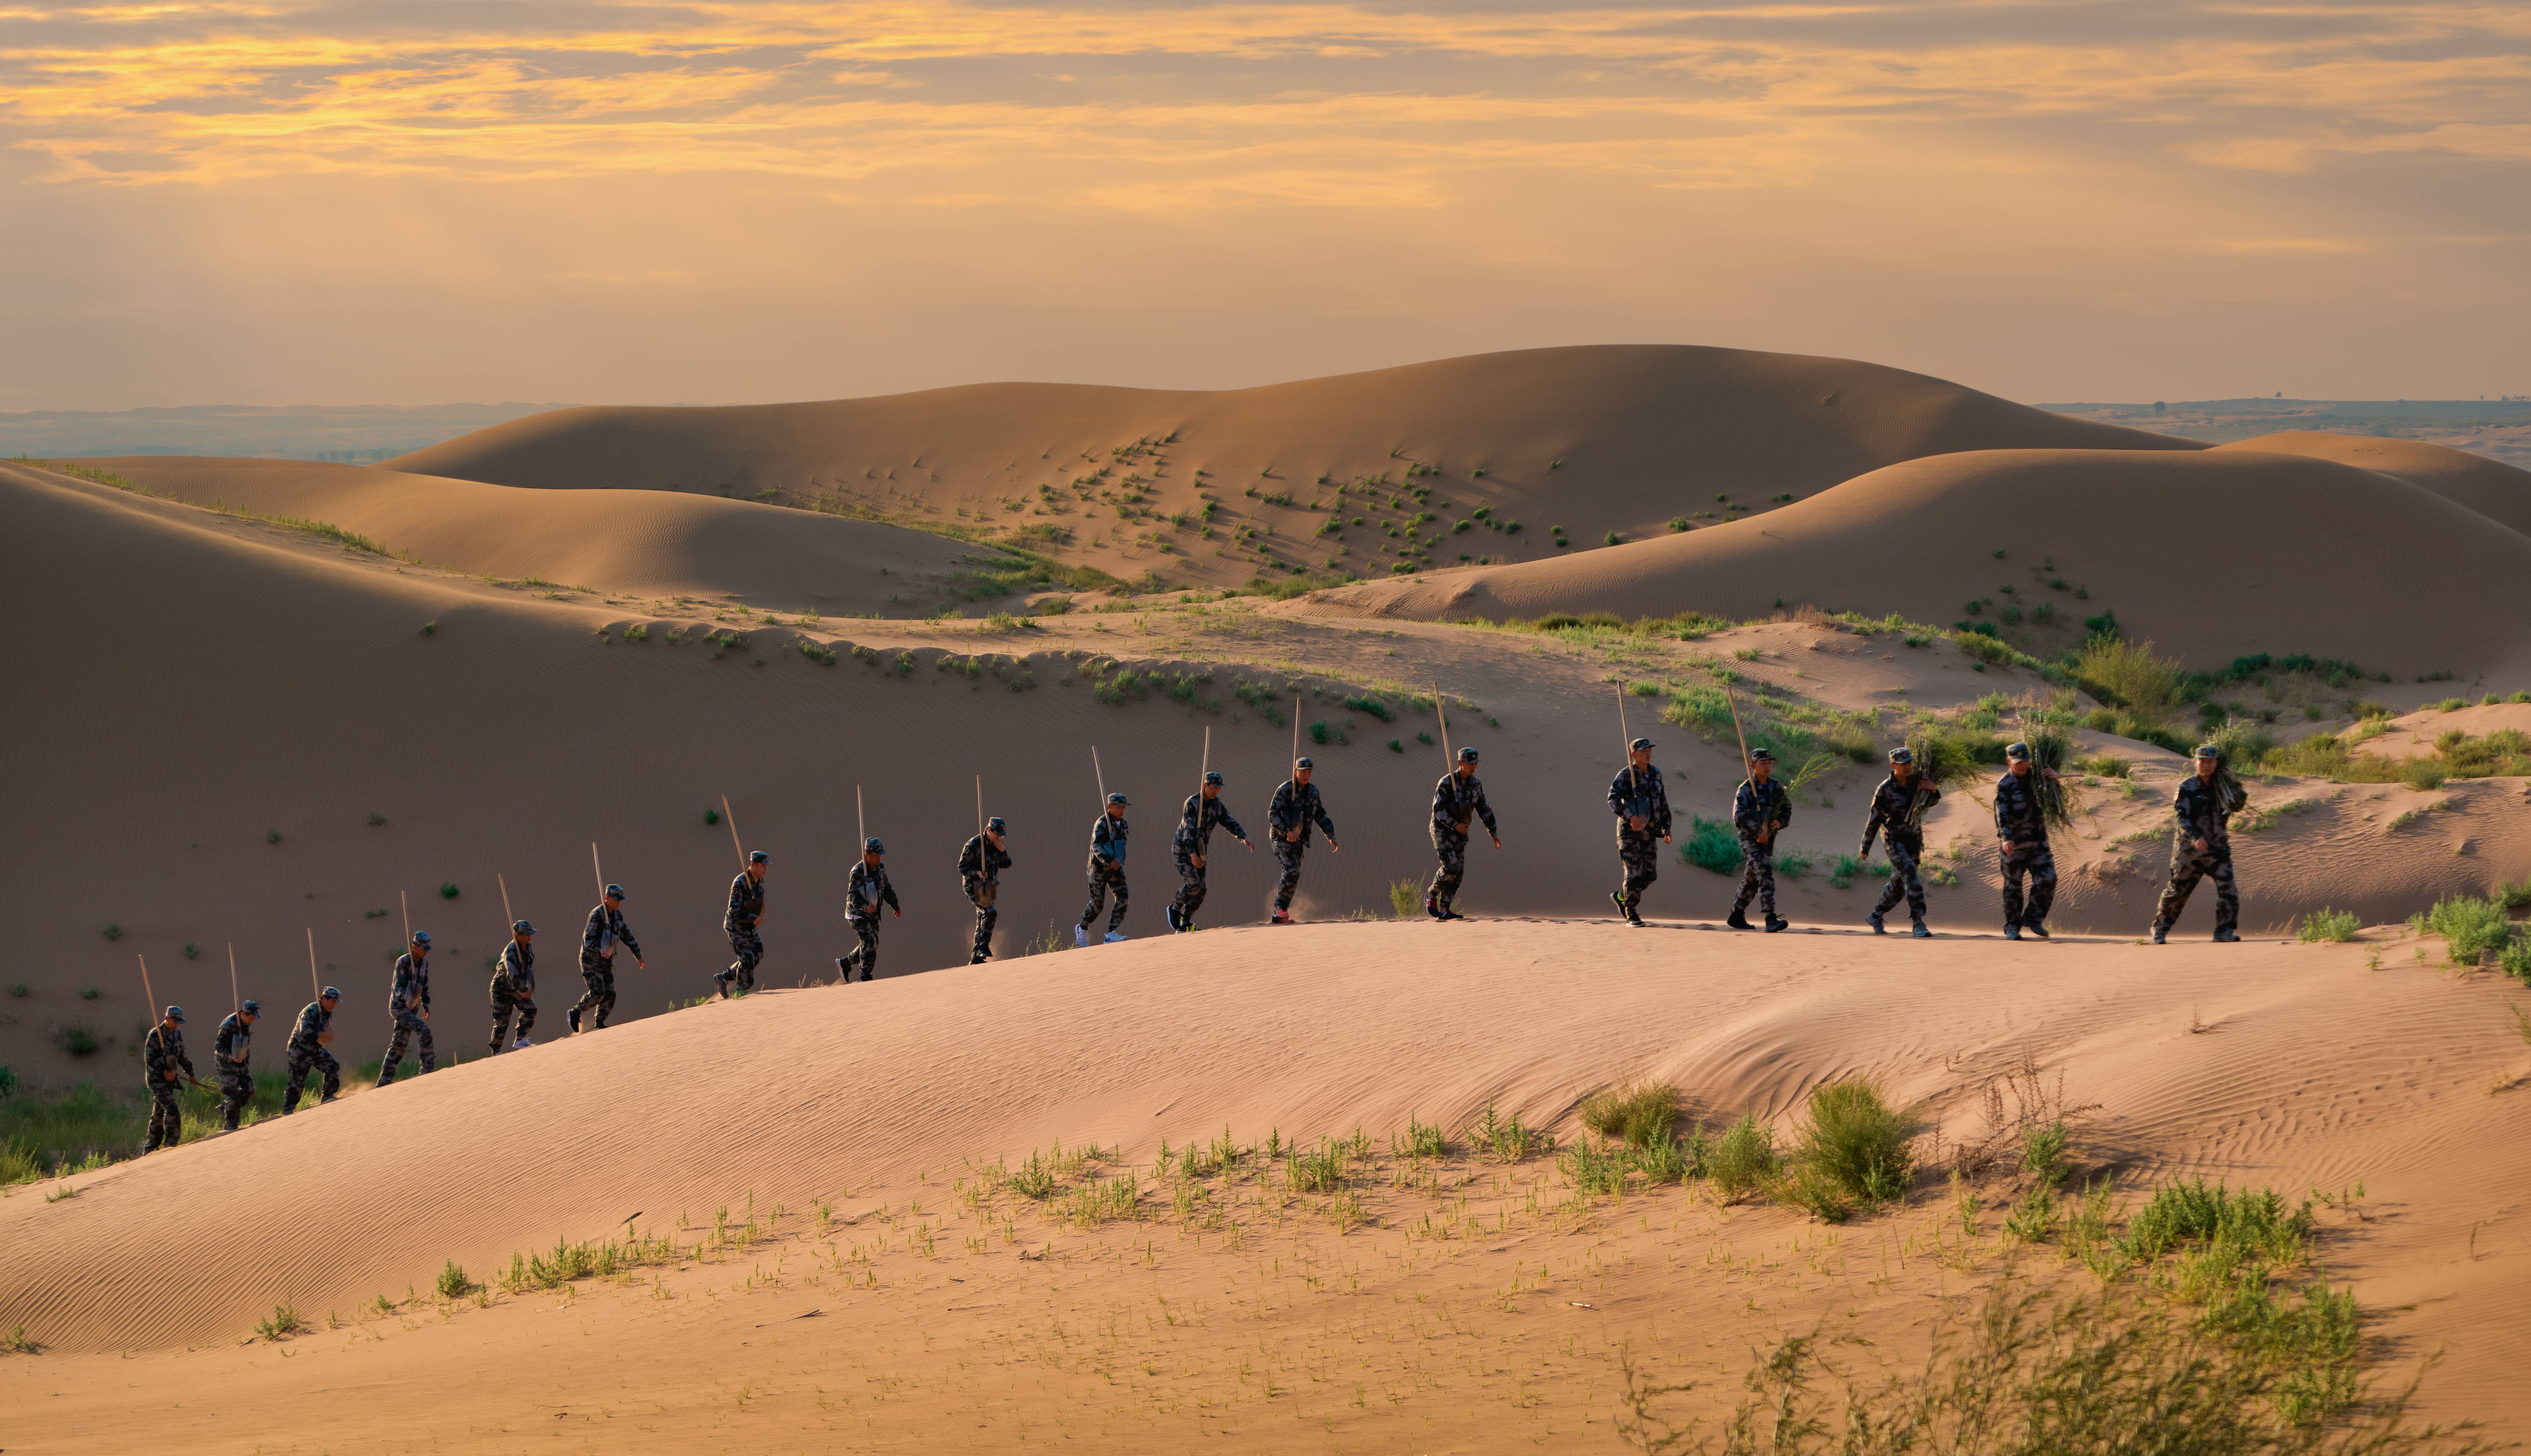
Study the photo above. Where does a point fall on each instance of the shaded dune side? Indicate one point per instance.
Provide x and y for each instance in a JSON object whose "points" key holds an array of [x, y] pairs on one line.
{"points": [[1642, 432], [623, 540], [2210, 554], [2498, 491]]}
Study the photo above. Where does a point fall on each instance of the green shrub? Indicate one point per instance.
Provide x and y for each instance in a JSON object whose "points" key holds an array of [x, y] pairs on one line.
{"points": [[1856, 1142], [2325, 924], [1745, 1161], [2515, 958], [2469, 927], [1637, 1114], [2189, 1211], [452, 1282], [1405, 896], [1712, 846], [2128, 674]]}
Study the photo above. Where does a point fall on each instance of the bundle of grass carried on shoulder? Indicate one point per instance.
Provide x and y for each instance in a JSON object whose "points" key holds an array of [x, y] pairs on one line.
{"points": [[2236, 742], [2051, 747], [1943, 759]]}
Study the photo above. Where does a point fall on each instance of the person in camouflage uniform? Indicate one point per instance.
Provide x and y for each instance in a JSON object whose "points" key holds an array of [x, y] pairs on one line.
{"points": [[514, 989], [1288, 818], [746, 913], [1642, 805], [1196, 822], [2022, 834], [979, 872], [232, 1051], [864, 891], [2201, 850], [597, 959], [1106, 871], [1760, 810], [305, 1050], [162, 1052], [1897, 813], [1457, 800], [410, 1004]]}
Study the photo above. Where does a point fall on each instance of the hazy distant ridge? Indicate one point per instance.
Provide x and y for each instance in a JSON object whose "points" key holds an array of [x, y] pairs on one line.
{"points": [[291, 431]]}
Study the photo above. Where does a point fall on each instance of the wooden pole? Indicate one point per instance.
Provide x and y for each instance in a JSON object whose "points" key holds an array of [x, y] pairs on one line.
{"points": [[1633, 781], [980, 806], [1730, 698], [731, 820], [1202, 774], [1296, 727], [155, 1010], [407, 929], [1102, 777], [314, 983], [862, 820], [506, 932], [1441, 706], [598, 869], [233, 989]]}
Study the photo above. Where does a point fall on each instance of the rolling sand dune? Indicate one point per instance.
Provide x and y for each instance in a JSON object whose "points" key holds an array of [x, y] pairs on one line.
{"points": [[2307, 1070], [2210, 554], [615, 540], [2498, 491], [1596, 439]]}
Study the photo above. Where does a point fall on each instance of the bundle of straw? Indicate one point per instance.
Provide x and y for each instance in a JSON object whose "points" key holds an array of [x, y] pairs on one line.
{"points": [[2052, 747]]}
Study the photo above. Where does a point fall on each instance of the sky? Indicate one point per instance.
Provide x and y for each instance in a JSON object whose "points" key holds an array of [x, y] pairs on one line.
{"points": [[408, 201]]}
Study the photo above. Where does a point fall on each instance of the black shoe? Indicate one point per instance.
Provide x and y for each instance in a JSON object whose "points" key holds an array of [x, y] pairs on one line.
{"points": [[575, 1020], [1920, 933], [1736, 920], [1774, 924], [1873, 921], [2012, 933], [2036, 927], [2158, 932], [720, 983], [1432, 907], [2226, 934], [1169, 913], [1445, 912]]}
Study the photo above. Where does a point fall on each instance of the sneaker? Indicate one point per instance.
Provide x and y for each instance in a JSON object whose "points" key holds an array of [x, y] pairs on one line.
{"points": [[1282, 917], [2226, 934], [1920, 933], [843, 971], [975, 960], [1736, 920], [1169, 913], [2158, 932], [2012, 933], [575, 1020], [1445, 912], [720, 983], [1617, 898], [1115, 935], [2036, 927], [1081, 937], [1432, 907], [1633, 918], [1774, 924], [521, 1045], [1873, 921]]}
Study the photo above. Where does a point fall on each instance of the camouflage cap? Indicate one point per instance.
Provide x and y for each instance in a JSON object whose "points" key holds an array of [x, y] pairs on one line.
{"points": [[1303, 763], [253, 1008], [1641, 745], [1118, 799], [522, 928], [1762, 756], [2017, 751], [421, 937], [614, 892], [1467, 755], [1214, 777], [174, 1013], [995, 824], [1903, 755], [759, 857], [2209, 750], [331, 995], [873, 846]]}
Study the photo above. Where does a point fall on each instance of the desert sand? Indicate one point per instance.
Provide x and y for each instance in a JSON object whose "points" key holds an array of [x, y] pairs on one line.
{"points": [[248, 733]]}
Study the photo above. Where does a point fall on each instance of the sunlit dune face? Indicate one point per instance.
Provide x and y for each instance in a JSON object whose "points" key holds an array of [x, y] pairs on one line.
{"points": [[1572, 137]]}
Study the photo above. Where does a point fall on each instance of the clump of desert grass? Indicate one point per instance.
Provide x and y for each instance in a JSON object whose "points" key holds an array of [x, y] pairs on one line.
{"points": [[2469, 926], [2327, 924], [1850, 1154]]}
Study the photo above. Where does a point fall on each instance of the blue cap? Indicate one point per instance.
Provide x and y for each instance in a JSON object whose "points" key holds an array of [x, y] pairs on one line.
{"points": [[1303, 763], [873, 846], [522, 928], [2016, 751], [1467, 755], [1214, 777], [1640, 745], [614, 892], [1762, 756], [174, 1013], [995, 824], [2209, 750], [255, 1008], [331, 995], [759, 857], [421, 937], [1118, 799], [1903, 755]]}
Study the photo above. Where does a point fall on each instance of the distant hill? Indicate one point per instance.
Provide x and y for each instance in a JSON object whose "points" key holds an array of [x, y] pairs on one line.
{"points": [[344, 432], [2499, 428]]}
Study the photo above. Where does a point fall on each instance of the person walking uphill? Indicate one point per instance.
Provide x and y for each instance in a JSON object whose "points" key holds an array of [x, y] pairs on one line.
{"points": [[1899, 816], [746, 913], [232, 1054], [2202, 850], [1196, 822], [408, 1002], [2021, 831], [1457, 800], [163, 1052], [597, 959], [306, 1049], [1106, 871], [1288, 818], [865, 890], [514, 988], [979, 873], [1760, 810], [1642, 807]]}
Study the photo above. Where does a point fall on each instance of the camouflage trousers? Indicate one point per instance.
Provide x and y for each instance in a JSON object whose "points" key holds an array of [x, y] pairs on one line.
{"points": [[597, 972], [1640, 856], [237, 1089], [748, 946], [981, 893], [2187, 867], [1191, 886], [301, 1061], [2040, 866], [410, 1028], [865, 956], [1288, 854], [1105, 875], [1453, 850], [507, 1000], [166, 1123], [1757, 875], [1904, 881]]}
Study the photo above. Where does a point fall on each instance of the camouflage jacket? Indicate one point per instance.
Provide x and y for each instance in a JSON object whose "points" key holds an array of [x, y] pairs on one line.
{"points": [[235, 1039], [163, 1052], [411, 984], [518, 967], [745, 902], [1640, 790], [1107, 838], [982, 861], [1195, 835], [867, 888], [2017, 819], [1456, 802], [2201, 813], [1297, 806], [605, 928], [1756, 806], [1889, 807], [314, 1021]]}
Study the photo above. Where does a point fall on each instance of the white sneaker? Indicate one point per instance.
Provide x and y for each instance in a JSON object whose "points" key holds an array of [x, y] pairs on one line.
{"points": [[1081, 937], [521, 1045], [1115, 935]]}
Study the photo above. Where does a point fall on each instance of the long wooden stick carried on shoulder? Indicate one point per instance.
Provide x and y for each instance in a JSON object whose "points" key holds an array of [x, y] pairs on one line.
{"points": [[731, 820]]}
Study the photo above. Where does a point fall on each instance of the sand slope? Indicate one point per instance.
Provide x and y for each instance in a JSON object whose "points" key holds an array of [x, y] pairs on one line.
{"points": [[2498, 491], [1592, 438], [2210, 554], [2307, 1070], [614, 540]]}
